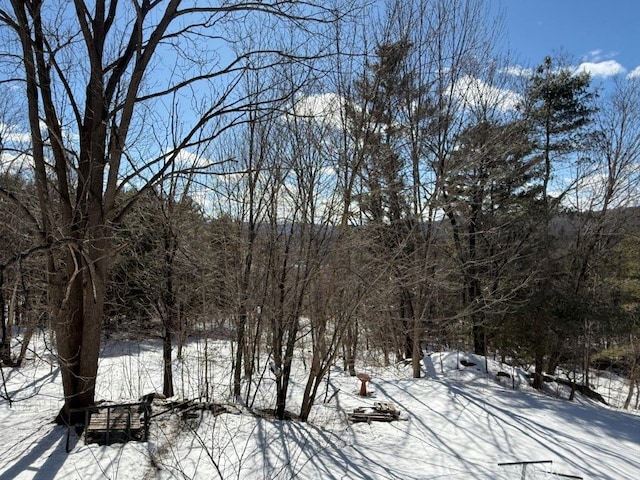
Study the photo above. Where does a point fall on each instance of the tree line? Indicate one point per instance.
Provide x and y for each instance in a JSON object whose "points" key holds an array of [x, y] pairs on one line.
{"points": [[322, 187]]}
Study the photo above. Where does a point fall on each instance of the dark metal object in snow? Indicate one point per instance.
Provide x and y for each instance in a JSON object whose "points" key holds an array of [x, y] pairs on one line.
{"points": [[524, 465], [381, 412]]}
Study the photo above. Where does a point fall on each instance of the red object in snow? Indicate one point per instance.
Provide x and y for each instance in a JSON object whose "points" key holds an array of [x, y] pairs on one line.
{"points": [[364, 378]]}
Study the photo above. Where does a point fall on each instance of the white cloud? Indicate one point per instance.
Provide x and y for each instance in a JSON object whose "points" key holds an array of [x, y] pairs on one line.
{"points": [[13, 134], [475, 91], [327, 108], [607, 68], [15, 163], [593, 56], [187, 160], [635, 73], [518, 71], [599, 55]]}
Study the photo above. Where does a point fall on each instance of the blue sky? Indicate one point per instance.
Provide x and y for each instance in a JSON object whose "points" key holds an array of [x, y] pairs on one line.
{"points": [[603, 35]]}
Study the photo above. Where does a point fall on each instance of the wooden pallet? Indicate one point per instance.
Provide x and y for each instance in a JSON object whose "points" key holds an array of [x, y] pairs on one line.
{"points": [[115, 420], [105, 424], [380, 412], [385, 407]]}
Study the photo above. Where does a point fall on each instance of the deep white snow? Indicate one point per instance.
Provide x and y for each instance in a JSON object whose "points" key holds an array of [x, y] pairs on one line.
{"points": [[456, 422]]}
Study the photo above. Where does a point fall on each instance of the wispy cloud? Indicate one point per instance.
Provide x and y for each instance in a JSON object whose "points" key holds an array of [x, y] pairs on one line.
{"points": [[604, 69], [15, 163], [186, 160], [598, 55], [593, 56], [635, 73], [13, 134], [518, 71]]}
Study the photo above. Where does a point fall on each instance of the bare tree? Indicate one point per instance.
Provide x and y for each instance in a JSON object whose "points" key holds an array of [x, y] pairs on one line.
{"points": [[135, 57], [605, 186], [410, 106], [252, 202], [21, 286]]}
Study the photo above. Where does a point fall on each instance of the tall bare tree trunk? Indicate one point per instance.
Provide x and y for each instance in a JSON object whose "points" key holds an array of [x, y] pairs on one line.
{"points": [[78, 327]]}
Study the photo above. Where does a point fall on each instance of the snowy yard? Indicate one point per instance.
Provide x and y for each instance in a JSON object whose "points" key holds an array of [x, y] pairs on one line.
{"points": [[456, 422]]}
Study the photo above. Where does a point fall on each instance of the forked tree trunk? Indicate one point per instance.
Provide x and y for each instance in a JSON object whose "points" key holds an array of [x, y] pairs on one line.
{"points": [[283, 381], [240, 350], [313, 381], [78, 326]]}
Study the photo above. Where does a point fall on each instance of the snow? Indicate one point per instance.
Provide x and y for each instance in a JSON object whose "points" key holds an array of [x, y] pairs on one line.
{"points": [[456, 422]]}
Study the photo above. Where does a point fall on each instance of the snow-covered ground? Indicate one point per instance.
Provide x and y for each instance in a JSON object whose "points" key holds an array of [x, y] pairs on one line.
{"points": [[456, 422]]}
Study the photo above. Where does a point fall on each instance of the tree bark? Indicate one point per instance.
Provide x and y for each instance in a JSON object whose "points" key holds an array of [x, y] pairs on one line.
{"points": [[78, 327], [5, 342], [167, 370], [538, 375]]}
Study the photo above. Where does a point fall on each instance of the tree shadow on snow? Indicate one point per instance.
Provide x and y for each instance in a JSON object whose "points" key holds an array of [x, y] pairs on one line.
{"points": [[545, 422], [518, 425], [53, 444], [437, 451], [33, 386], [293, 449]]}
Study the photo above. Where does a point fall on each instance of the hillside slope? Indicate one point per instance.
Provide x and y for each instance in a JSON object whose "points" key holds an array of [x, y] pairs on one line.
{"points": [[456, 422]]}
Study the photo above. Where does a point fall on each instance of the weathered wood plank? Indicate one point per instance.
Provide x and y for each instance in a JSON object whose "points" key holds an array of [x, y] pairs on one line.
{"points": [[114, 420], [107, 423]]}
